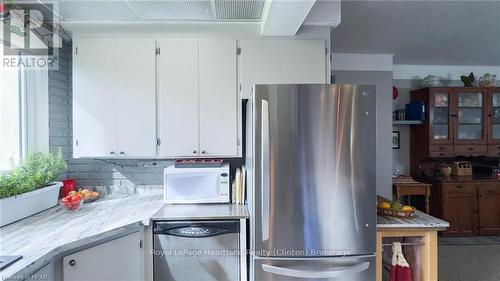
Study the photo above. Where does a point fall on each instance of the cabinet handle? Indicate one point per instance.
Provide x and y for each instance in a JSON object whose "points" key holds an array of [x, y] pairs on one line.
{"points": [[441, 148], [471, 148], [194, 151], [72, 262], [460, 186], [122, 153], [203, 151], [112, 152]]}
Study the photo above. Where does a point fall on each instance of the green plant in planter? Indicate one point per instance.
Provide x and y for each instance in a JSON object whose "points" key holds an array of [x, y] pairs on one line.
{"points": [[38, 170]]}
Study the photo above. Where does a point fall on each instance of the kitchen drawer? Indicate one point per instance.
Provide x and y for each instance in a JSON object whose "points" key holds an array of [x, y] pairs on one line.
{"points": [[494, 150], [470, 150], [435, 154], [469, 187], [441, 148]]}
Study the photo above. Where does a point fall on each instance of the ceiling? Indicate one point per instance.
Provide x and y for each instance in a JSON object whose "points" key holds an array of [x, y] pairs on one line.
{"points": [[422, 32]]}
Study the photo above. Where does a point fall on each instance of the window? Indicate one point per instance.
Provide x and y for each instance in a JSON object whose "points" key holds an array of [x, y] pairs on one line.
{"points": [[24, 112], [10, 118]]}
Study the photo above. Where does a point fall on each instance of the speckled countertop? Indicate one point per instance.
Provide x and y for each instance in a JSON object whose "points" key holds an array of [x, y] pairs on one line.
{"points": [[419, 220], [41, 237]]}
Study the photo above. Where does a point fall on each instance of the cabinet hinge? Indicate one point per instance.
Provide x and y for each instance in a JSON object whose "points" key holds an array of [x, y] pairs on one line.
{"points": [[238, 51], [140, 244], [157, 51], [158, 141], [240, 87], [326, 51], [76, 51]]}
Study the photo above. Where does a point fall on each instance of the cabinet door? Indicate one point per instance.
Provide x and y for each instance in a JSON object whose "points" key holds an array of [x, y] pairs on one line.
{"points": [[440, 113], [494, 119], [119, 259], [218, 98], [460, 209], [136, 98], [470, 116], [281, 62], [178, 98], [489, 208], [94, 116]]}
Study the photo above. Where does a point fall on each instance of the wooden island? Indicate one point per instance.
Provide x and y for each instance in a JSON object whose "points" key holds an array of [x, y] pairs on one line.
{"points": [[420, 225]]}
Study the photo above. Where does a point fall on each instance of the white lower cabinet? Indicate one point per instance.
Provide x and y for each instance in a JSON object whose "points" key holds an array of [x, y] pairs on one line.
{"points": [[47, 273], [119, 259]]}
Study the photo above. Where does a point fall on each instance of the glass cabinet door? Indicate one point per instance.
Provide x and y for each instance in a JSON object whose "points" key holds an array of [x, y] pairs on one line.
{"points": [[495, 115], [470, 123], [441, 116]]}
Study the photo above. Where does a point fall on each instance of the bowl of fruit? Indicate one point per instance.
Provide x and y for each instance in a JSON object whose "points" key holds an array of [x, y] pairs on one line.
{"points": [[72, 202], [395, 209], [88, 195]]}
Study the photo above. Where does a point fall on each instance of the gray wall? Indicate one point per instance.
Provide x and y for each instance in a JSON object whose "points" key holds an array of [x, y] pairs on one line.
{"points": [[89, 172], [383, 82]]}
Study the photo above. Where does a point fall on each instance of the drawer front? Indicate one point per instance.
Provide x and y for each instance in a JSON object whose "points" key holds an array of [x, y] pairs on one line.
{"points": [[441, 148], [494, 150], [435, 154], [467, 187], [470, 150]]}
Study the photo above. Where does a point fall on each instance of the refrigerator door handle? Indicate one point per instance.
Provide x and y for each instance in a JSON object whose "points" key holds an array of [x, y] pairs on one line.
{"points": [[265, 170], [300, 273]]}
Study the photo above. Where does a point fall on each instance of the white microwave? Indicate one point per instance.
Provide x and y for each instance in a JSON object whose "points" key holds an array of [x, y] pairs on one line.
{"points": [[196, 185]]}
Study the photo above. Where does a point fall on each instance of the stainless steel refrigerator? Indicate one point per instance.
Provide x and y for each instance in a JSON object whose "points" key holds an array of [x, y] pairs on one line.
{"points": [[311, 164]]}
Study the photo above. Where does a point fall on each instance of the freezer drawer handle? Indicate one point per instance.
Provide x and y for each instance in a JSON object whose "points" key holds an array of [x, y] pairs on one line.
{"points": [[265, 170], [299, 273]]}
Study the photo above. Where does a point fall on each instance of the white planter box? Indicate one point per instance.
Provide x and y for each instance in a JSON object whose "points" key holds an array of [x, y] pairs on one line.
{"points": [[24, 205]]}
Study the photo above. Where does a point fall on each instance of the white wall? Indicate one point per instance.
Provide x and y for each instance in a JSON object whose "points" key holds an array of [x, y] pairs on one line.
{"points": [[383, 82], [372, 69]]}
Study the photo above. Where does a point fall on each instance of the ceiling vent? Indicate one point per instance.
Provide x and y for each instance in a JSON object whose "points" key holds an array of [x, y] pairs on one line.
{"points": [[160, 10]]}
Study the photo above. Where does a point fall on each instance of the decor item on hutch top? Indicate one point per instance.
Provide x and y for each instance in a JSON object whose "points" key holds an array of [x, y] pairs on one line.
{"points": [[430, 81], [468, 80], [30, 188], [487, 80], [196, 185]]}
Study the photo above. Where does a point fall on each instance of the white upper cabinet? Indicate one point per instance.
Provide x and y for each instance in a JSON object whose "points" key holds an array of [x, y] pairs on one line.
{"points": [[198, 109], [135, 102], [281, 62], [114, 98], [178, 98], [94, 95], [218, 98]]}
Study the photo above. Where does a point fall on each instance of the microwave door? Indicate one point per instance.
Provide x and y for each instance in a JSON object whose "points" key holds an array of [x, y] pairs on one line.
{"points": [[192, 188]]}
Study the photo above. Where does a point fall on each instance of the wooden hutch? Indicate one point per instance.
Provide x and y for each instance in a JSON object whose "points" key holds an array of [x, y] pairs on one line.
{"points": [[460, 121]]}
